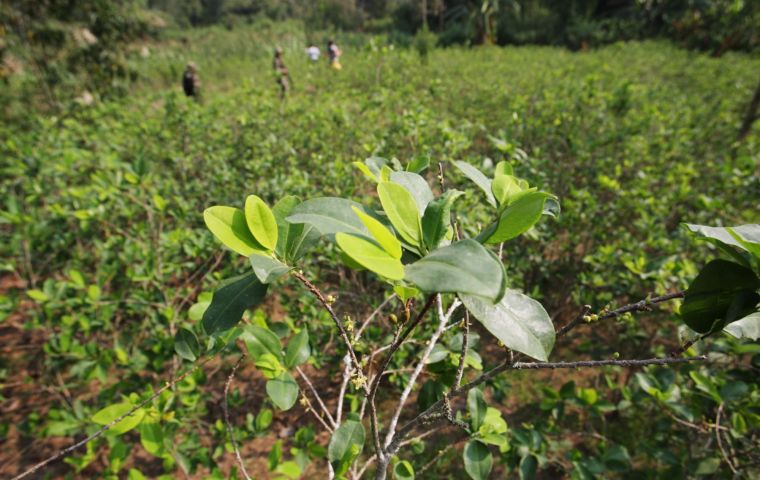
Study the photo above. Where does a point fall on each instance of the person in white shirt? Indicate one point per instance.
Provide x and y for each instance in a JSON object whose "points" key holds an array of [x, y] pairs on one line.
{"points": [[313, 52]]}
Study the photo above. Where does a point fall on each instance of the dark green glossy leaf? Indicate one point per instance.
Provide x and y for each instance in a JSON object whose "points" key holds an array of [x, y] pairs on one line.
{"points": [[476, 405], [298, 350], [330, 215], [478, 460], [437, 218], [723, 291], [520, 322], [403, 471], [267, 269], [519, 216], [230, 301], [259, 341], [528, 467], [463, 267], [186, 344], [478, 178]]}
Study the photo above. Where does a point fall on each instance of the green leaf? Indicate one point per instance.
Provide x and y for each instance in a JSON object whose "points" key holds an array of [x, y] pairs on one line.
{"points": [[723, 239], [186, 344], [261, 222], [418, 164], [476, 405], [405, 293], [370, 256], [267, 269], [747, 327], [366, 171], [231, 300], [152, 438], [112, 412], [275, 455], [519, 216], [520, 322], [478, 460], [417, 186], [229, 226], [269, 365], [463, 267], [260, 341], [504, 188], [264, 419], [330, 215], [723, 291], [382, 235], [748, 237], [294, 239], [283, 391], [349, 434], [402, 211], [403, 470], [298, 350], [528, 467], [437, 218], [478, 178], [503, 168]]}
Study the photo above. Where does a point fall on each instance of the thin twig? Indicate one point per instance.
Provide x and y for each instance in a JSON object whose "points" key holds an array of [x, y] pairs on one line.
{"points": [[718, 436], [443, 319], [230, 430], [342, 393], [322, 405], [373, 315], [506, 365], [310, 408], [108, 426], [463, 355], [317, 293]]}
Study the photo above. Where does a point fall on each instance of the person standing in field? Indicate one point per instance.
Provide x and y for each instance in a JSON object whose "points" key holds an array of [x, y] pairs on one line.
{"points": [[191, 83], [281, 72], [333, 54], [313, 52]]}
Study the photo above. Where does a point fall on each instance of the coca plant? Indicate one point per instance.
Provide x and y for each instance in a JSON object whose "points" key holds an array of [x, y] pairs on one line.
{"points": [[413, 243]]}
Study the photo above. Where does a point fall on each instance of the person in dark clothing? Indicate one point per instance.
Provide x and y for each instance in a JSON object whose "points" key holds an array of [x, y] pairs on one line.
{"points": [[191, 83], [281, 72]]}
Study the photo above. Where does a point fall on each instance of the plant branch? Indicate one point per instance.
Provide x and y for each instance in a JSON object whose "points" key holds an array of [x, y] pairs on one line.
{"points": [[443, 319], [108, 426], [507, 365], [720, 441], [317, 293], [324, 408], [373, 315], [463, 355], [230, 430], [341, 395]]}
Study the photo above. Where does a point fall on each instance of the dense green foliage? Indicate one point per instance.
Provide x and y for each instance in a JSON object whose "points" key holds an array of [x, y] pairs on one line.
{"points": [[107, 254]]}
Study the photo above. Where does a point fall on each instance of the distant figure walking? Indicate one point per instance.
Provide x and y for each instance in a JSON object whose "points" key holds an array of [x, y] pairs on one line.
{"points": [[281, 71], [313, 52], [191, 83], [333, 55]]}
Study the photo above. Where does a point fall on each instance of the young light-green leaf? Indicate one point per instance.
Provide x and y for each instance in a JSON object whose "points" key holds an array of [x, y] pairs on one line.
{"points": [[382, 235], [504, 188], [417, 186], [261, 222], [520, 322], [293, 239], [283, 391], [370, 256], [112, 412], [402, 211], [228, 224], [463, 267]]}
